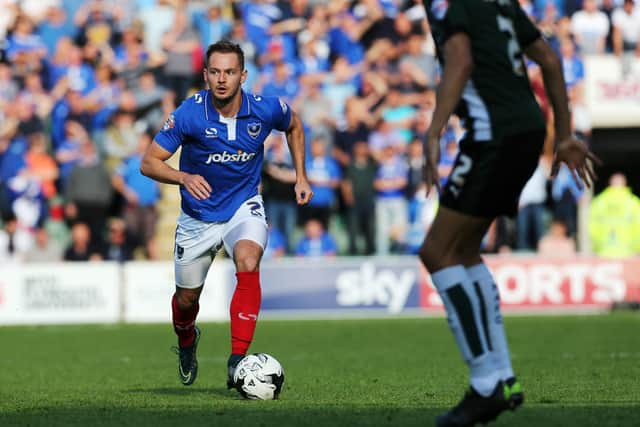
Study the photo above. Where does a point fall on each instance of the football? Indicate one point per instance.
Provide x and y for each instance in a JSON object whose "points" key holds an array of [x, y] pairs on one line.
{"points": [[259, 376]]}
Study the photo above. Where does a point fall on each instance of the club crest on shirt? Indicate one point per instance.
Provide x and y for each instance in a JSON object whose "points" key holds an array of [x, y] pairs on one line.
{"points": [[253, 128], [439, 8], [169, 123]]}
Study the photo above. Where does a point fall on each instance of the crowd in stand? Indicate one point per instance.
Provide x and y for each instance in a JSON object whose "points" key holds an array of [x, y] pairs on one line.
{"points": [[85, 85]]}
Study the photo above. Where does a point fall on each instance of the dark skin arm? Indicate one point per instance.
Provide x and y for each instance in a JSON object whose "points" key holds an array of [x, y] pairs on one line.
{"points": [[569, 150], [457, 70]]}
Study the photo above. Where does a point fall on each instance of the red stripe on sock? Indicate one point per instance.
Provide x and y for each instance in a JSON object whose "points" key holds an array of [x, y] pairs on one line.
{"points": [[184, 322], [244, 310]]}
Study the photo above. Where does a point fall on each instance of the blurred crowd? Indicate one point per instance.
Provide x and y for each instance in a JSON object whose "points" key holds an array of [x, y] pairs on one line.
{"points": [[85, 85]]}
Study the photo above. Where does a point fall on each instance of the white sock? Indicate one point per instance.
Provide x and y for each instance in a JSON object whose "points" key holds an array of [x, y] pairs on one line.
{"points": [[486, 287], [464, 315]]}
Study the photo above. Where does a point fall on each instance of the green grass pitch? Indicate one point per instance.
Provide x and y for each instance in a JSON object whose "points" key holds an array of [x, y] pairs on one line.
{"points": [[576, 371]]}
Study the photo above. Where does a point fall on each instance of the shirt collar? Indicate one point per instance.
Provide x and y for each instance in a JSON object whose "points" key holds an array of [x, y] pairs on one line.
{"points": [[211, 113]]}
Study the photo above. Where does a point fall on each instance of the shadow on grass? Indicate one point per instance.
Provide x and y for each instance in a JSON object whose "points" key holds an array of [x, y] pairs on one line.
{"points": [[185, 391], [281, 414]]}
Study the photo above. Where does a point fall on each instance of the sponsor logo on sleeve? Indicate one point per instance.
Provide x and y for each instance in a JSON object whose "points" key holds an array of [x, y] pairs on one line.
{"points": [[439, 8], [283, 106], [169, 123]]}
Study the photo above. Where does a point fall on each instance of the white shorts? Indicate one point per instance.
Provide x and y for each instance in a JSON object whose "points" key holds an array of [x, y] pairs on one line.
{"points": [[197, 242]]}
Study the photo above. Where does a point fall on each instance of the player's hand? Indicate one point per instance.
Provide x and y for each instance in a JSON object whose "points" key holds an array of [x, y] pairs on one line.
{"points": [[303, 192], [431, 160], [575, 154], [197, 186]]}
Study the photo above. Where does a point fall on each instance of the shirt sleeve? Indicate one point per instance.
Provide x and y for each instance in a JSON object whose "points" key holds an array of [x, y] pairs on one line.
{"points": [[171, 135], [525, 29], [448, 17], [280, 114]]}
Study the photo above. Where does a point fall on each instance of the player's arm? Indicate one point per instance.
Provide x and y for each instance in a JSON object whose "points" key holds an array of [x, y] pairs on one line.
{"points": [[568, 149], [295, 140], [458, 65], [549, 62], [155, 167]]}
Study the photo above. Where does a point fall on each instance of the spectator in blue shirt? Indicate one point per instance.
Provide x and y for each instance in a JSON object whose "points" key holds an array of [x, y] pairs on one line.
{"points": [[316, 241], [258, 18], [572, 66], [391, 204], [69, 151], [344, 37], [55, 26], [77, 75], [276, 244], [324, 176], [211, 25], [283, 84], [566, 193], [12, 161], [278, 180], [25, 47], [399, 114], [141, 195], [71, 107]]}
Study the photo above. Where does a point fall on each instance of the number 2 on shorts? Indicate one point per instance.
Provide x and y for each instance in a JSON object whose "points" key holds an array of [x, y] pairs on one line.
{"points": [[458, 174]]}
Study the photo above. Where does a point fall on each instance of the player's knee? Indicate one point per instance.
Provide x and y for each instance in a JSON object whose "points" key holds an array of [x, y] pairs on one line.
{"points": [[248, 263], [427, 255], [186, 298], [435, 256]]}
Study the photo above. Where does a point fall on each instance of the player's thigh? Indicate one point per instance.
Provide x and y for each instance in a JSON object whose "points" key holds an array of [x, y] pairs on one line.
{"points": [[487, 177], [196, 244], [248, 223]]}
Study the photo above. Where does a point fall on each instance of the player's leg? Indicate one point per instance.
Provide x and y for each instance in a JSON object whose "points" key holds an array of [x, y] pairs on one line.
{"points": [[486, 182], [245, 303], [486, 286], [192, 258], [445, 254], [184, 308], [245, 238], [514, 163]]}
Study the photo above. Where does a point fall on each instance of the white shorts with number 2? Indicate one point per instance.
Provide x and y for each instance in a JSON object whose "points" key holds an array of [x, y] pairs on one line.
{"points": [[197, 242]]}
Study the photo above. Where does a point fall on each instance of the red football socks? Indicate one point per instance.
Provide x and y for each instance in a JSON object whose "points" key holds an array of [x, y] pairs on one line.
{"points": [[184, 322], [244, 309]]}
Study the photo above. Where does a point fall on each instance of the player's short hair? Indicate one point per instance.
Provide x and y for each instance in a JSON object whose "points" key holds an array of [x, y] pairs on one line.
{"points": [[225, 46]]}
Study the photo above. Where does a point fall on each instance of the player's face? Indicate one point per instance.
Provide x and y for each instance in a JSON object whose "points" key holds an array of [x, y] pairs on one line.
{"points": [[224, 76]]}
